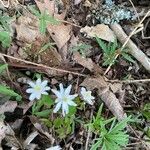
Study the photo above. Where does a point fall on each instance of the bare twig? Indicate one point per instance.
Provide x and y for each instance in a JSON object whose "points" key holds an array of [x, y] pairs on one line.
{"points": [[89, 133], [129, 81], [43, 66], [134, 50]]}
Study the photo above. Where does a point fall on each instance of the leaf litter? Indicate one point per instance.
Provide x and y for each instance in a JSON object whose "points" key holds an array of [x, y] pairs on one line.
{"points": [[20, 128]]}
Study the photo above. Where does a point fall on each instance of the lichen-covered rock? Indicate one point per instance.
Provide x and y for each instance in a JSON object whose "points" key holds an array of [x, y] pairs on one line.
{"points": [[109, 13]]}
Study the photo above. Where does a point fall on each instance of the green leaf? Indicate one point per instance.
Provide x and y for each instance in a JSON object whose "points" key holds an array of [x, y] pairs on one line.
{"points": [[97, 144], [42, 25], [101, 44], [5, 39], [34, 11], [7, 91], [3, 67], [46, 99], [58, 122], [120, 126], [47, 122], [128, 57], [51, 20], [44, 113]]}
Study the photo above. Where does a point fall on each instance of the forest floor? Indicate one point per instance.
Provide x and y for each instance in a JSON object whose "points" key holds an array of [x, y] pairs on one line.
{"points": [[74, 74]]}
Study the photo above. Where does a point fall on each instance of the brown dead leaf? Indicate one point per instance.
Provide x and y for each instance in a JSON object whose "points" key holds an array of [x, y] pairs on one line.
{"points": [[108, 97], [41, 129], [8, 106], [60, 33], [27, 143], [3, 127], [87, 63], [101, 31], [27, 29], [9, 135]]}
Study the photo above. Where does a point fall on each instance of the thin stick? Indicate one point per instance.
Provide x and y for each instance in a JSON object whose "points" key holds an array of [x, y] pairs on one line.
{"points": [[89, 133], [127, 40], [44, 66], [130, 81]]}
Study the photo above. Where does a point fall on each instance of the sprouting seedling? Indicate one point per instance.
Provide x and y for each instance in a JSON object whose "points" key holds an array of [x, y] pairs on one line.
{"points": [[44, 19], [110, 51], [82, 48]]}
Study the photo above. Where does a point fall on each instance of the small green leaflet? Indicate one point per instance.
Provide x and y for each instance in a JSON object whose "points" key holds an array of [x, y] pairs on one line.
{"points": [[5, 39], [7, 91], [3, 67], [44, 113], [44, 19]]}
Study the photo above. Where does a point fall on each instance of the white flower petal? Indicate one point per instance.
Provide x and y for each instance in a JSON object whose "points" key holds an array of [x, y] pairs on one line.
{"points": [[87, 97], [32, 97], [71, 103], [38, 81], [83, 90], [44, 83], [47, 88], [32, 84], [65, 108], [38, 95], [61, 88], [44, 93], [57, 107], [68, 89], [71, 97], [90, 102], [57, 93], [54, 148], [30, 90]]}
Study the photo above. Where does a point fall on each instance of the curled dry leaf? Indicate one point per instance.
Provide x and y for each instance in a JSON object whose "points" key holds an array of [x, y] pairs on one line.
{"points": [[3, 128], [27, 26], [87, 63], [27, 143], [108, 97], [101, 31], [76, 2], [9, 135], [8, 106], [60, 33], [41, 129]]}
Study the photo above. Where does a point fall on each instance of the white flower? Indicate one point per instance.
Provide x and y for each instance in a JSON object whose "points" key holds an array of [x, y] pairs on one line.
{"points": [[54, 148], [64, 99], [86, 95], [37, 89]]}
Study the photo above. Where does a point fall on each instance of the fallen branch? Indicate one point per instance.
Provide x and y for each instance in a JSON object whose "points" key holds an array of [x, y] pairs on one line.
{"points": [[125, 40], [134, 50], [42, 66]]}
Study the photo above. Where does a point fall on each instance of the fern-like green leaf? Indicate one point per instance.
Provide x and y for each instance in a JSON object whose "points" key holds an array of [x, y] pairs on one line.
{"points": [[5, 39], [3, 67], [128, 57], [7, 91]]}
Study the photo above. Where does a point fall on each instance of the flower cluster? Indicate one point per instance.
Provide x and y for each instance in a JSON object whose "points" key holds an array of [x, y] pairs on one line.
{"points": [[64, 98]]}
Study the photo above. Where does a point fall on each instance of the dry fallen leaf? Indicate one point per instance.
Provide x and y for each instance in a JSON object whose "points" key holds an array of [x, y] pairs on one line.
{"points": [[3, 127], [27, 143], [108, 97], [8, 106], [60, 33], [87, 63], [101, 31], [41, 129], [27, 29]]}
